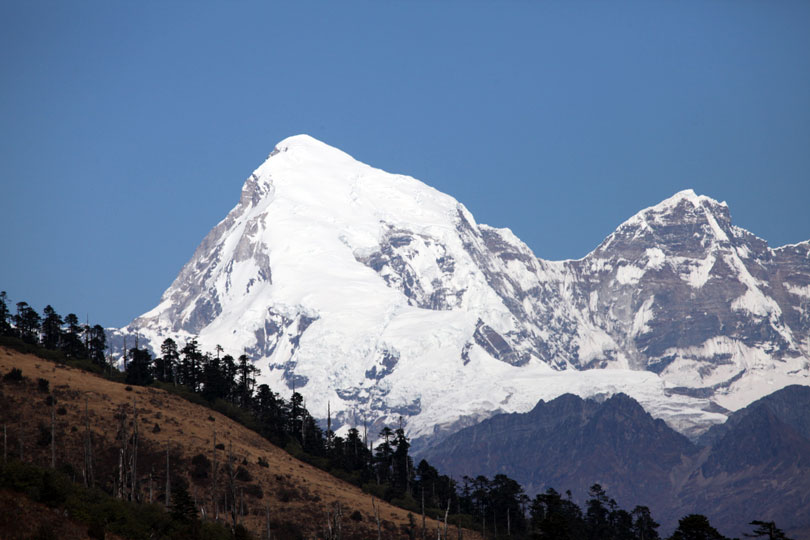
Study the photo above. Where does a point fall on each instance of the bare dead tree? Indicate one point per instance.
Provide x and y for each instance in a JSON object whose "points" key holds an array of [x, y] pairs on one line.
{"points": [[303, 423], [120, 473], [133, 469], [446, 513], [53, 431], [214, 479], [423, 514], [333, 523], [338, 521], [377, 518], [232, 484], [168, 477], [267, 520], [508, 523], [123, 432], [328, 425], [88, 449]]}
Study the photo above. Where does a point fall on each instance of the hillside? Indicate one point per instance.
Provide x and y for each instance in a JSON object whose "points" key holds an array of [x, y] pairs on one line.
{"points": [[296, 496]]}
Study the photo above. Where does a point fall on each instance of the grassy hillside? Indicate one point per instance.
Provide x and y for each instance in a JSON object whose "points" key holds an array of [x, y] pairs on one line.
{"points": [[292, 497]]}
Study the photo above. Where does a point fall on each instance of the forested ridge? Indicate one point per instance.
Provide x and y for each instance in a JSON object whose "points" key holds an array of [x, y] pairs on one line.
{"points": [[380, 462]]}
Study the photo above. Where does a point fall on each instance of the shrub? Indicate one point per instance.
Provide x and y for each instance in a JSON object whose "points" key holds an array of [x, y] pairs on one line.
{"points": [[254, 490], [15, 375], [200, 467], [243, 474]]}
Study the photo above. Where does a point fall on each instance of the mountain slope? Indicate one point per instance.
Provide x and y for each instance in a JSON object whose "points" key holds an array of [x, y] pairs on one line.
{"points": [[382, 297], [757, 467], [296, 494]]}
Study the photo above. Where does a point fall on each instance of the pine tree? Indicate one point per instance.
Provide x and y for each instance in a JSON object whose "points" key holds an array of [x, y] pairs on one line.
{"points": [[139, 368], [166, 365], [5, 316], [766, 529], [597, 513], [695, 527], [72, 345], [97, 345], [27, 322], [182, 506], [51, 328], [644, 526]]}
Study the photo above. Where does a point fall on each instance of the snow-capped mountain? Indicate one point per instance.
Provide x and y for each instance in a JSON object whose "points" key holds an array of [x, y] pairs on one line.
{"points": [[382, 296]]}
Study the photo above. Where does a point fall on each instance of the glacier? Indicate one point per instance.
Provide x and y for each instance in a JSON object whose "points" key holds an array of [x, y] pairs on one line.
{"points": [[384, 298]]}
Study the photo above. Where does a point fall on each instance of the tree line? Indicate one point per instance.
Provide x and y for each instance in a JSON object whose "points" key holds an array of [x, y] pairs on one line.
{"points": [[53, 332]]}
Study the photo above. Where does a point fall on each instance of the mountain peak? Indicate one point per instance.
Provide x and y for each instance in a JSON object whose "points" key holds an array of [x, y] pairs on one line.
{"points": [[308, 147], [687, 195], [367, 291], [666, 220]]}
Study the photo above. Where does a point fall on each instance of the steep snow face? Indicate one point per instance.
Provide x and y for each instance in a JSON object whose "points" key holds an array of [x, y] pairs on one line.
{"points": [[383, 297], [706, 305]]}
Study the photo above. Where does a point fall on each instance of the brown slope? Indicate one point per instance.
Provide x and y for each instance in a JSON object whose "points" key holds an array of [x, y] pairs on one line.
{"points": [[23, 519], [294, 492]]}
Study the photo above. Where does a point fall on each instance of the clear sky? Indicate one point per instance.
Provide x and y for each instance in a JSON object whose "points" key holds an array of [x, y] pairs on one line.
{"points": [[128, 128]]}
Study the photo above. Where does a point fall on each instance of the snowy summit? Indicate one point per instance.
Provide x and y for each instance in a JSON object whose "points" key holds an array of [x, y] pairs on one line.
{"points": [[383, 296]]}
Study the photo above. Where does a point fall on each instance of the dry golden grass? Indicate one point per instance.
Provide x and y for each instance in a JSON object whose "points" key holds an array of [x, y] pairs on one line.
{"points": [[293, 491]]}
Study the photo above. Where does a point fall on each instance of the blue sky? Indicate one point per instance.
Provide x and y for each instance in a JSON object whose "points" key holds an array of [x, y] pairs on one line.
{"points": [[127, 128]]}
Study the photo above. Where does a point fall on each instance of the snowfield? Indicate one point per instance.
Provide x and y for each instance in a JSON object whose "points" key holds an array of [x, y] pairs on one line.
{"points": [[382, 297]]}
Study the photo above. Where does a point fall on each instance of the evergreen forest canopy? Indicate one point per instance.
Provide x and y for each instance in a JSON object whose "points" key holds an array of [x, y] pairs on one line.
{"points": [[498, 507]]}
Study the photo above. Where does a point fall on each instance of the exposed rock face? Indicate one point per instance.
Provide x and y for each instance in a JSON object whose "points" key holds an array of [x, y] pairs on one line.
{"points": [[384, 297], [756, 466]]}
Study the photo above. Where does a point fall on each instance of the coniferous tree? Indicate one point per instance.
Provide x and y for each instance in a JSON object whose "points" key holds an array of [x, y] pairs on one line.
{"points": [[72, 343], [597, 514], [644, 526], [190, 365], [214, 385], [97, 345], [5, 316], [27, 322], [51, 328], [230, 370], [553, 517], [695, 527], [767, 529], [402, 465], [182, 506], [139, 368], [247, 380], [383, 456], [505, 497], [166, 365]]}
